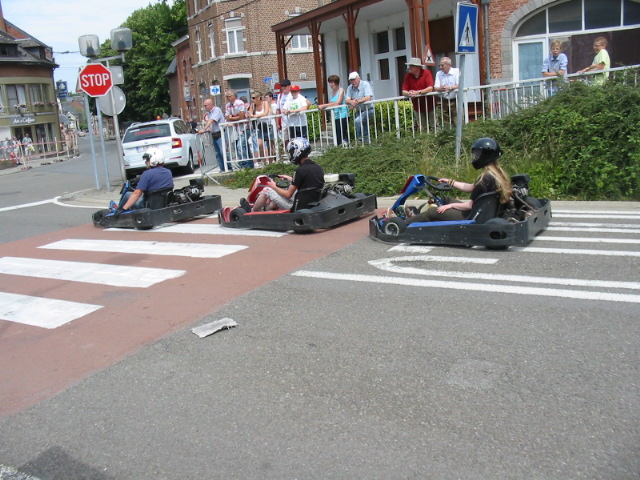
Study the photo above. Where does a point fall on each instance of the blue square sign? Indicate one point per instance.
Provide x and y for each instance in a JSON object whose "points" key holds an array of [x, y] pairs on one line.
{"points": [[467, 28]]}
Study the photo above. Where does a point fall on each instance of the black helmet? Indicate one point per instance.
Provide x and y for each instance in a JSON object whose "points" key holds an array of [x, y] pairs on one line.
{"points": [[298, 149], [484, 151]]}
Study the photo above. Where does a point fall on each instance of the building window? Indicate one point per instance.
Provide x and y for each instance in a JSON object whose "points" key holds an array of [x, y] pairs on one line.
{"points": [[212, 40], [382, 42], [198, 45], [301, 42], [384, 69], [16, 95], [400, 41], [235, 31]]}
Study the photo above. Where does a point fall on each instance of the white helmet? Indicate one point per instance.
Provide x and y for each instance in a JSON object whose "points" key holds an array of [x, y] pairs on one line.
{"points": [[154, 156]]}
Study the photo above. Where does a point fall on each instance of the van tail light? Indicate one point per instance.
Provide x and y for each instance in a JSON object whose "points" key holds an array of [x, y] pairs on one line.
{"points": [[176, 143]]}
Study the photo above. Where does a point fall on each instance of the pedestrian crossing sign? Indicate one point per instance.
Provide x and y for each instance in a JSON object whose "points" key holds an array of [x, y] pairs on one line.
{"points": [[466, 28]]}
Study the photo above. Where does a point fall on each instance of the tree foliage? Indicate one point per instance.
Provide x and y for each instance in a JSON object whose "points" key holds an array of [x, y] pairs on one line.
{"points": [[154, 29]]}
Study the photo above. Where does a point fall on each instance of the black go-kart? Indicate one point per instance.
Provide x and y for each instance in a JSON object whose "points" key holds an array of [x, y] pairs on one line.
{"points": [[334, 205], [489, 223], [165, 206]]}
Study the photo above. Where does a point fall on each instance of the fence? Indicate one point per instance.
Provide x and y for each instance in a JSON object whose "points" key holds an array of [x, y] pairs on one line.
{"points": [[25, 153], [249, 143]]}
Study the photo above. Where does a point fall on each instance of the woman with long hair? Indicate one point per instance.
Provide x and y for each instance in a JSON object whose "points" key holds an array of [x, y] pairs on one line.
{"points": [[485, 152]]}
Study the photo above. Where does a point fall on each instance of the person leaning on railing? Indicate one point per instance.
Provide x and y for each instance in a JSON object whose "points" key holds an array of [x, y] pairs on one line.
{"points": [[358, 93], [340, 114], [417, 83], [447, 80]]}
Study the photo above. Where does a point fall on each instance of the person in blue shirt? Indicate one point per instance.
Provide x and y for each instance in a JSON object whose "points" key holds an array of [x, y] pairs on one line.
{"points": [[154, 179], [359, 93], [554, 65]]}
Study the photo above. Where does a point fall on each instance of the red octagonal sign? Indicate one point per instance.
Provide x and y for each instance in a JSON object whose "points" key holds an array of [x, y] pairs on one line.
{"points": [[95, 79]]}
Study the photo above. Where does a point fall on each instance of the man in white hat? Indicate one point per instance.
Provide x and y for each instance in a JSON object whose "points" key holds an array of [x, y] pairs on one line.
{"points": [[358, 93], [417, 83]]}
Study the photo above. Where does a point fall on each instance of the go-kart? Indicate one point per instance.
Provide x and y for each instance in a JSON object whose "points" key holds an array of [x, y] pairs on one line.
{"points": [[333, 205], [160, 207], [489, 223]]}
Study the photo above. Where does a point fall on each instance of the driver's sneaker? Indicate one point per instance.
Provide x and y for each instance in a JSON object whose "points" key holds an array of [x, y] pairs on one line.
{"points": [[113, 206], [245, 204]]}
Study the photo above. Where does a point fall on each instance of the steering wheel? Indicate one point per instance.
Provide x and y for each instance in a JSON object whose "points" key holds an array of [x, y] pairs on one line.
{"points": [[434, 182]]}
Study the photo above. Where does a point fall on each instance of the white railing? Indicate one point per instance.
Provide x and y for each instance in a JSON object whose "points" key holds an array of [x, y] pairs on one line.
{"points": [[247, 144]]}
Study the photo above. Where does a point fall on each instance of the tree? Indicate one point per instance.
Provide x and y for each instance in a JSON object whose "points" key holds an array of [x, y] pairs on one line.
{"points": [[154, 29]]}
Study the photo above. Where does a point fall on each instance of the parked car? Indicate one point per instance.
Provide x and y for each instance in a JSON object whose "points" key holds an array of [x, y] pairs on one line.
{"points": [[173, 136]]}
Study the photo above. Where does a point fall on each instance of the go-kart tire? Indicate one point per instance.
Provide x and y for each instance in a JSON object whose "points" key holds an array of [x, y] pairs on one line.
{"points": [[99, 215], [394, 227], [235, 215], [500, 222]]}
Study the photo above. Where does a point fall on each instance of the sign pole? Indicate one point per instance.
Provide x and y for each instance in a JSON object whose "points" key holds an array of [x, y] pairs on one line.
{"points": [[104, 150], [116, 127], [93, 147], [460, 108]]}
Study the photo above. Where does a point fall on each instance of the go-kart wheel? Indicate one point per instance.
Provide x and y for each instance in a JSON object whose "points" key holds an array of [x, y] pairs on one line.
{"points": [[498, 234], [394, 227], [99, 215], [235, 214]]}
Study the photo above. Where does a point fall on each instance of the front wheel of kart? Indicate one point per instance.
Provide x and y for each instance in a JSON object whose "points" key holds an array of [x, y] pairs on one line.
{"points": [[236, 214], [99, 215], [394, 227]]}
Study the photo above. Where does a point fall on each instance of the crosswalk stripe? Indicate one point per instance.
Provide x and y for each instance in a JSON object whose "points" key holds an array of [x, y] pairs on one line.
{"points": [[593, 229], [98, 273], [595, 215], [577, 251], [195, 250], [604, 212], [588, 239], [469, 286], [593, 224], [204, 229], [41, 312]]}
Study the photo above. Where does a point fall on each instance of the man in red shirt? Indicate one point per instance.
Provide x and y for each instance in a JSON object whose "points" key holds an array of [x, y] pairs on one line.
{"points": [[417, 83]]}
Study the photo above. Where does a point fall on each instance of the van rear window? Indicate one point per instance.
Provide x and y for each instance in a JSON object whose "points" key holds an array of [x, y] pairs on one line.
{"points": [[144, 133]]}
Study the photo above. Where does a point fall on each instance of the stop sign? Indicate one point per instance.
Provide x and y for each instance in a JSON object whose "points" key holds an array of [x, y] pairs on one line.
{"points": [[95, 79]]}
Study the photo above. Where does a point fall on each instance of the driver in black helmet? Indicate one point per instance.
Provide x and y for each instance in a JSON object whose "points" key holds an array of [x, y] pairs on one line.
{"points": [[307, 180], [485, 153]]}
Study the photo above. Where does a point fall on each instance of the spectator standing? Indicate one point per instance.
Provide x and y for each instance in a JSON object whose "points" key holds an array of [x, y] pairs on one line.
{"points": [[194, 124], [358, 93], [447, 80], [600, 62], [16, 148], [235, 111], [283, 102], [297, 119], [417, 83], [258, 111], [340, 114], [27, 145], [273, 111], [213, 117], [554, 65]]}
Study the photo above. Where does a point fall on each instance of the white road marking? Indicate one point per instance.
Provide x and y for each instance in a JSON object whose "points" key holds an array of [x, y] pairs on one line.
{"points": [[410, 248], [195, 250], [576, 251], [41, 312], [98, 273], [481, 287], [205, 229], [436, 258], [569, 214], [592, 229], [56, 201], [388, 264], [631, 212], [587, 239], [591, 224], [26, 205]]}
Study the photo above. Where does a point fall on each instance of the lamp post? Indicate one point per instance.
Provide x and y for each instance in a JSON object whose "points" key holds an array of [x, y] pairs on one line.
{"points": [[121, 41]]}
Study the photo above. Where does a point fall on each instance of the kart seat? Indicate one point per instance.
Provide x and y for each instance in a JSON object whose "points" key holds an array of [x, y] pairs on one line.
{"points": [[485, 207], [306, 198], [158, 199]]}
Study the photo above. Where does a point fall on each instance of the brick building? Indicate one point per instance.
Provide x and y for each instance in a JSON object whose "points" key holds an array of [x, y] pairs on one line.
{"points": [[232, 46]]}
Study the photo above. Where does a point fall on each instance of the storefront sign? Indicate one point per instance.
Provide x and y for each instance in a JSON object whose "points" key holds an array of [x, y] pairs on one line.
{"points": [[23, 120]]}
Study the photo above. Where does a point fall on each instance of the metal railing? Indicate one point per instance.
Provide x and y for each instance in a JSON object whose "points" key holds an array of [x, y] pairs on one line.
{"points": [[248, 144]]}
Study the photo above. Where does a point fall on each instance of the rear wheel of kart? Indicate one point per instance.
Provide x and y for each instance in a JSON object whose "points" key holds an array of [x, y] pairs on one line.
{"points": [[394, 227], [189, 168], [498, 233], [236, 214]]}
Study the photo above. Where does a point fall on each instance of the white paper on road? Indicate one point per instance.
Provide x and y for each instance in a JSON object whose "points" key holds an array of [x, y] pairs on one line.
{"points": [[210, 328], [195, 250], [41, 312], [98, 273]]}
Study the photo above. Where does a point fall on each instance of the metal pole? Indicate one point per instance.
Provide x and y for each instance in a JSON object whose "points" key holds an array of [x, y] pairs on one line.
{"points": [[93, 147], [104, 150], [460, 108], [116, 127]]}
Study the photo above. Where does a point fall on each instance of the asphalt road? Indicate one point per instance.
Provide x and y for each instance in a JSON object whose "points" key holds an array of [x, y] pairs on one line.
{"points": [[376, 362]]}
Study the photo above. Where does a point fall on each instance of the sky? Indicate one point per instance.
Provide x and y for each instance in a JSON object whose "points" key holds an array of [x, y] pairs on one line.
{"points": [[59, 24]]}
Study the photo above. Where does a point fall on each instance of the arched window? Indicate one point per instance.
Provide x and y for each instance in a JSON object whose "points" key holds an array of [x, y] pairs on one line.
{"points": [[576, 23]]}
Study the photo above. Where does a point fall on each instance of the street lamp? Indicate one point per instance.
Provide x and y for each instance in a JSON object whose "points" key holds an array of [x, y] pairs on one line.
{"points": [[121, 41]]}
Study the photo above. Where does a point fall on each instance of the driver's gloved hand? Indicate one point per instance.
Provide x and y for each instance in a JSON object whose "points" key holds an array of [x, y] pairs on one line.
{"points": [[119, 211]]}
